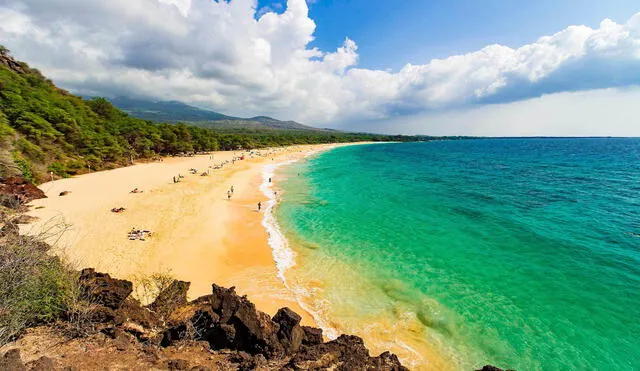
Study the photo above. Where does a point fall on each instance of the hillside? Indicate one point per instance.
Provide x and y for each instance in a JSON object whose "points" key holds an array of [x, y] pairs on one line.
{"points": [[166, 111], [173, 111], [47, 132]]}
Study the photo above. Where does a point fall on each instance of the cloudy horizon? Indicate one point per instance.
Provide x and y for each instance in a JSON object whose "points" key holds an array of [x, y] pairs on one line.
{"points": [[242, 59]]}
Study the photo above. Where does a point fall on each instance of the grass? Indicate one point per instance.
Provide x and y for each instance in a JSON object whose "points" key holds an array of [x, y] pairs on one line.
{"points": [[35, 287], [148, 287]]}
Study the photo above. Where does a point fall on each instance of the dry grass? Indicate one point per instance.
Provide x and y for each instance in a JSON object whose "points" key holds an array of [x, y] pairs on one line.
{"points": [[148, 287], [35, 287]]}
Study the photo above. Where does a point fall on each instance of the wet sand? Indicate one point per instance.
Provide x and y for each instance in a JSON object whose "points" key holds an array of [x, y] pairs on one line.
{"points": [[198, 235]]}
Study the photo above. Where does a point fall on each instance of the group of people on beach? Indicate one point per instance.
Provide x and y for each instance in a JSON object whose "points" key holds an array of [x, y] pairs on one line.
{"points": [[138, 234]]}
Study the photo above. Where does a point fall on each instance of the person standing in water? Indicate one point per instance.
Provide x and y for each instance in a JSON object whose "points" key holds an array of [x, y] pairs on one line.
{"points": [[259, 205], [269, 180]]}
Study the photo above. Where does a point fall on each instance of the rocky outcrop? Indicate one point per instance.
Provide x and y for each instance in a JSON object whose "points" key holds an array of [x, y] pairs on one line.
{"points": [[12, 64], [344, 353], [227, 322], [101, 289], [218, 331], [290, 334], [16, 191], [171, 298]]}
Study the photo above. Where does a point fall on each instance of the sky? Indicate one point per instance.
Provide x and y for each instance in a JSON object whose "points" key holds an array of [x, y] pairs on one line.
{"points": [[466, 67]]}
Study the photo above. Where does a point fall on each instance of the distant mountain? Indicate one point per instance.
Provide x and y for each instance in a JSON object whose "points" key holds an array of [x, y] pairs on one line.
{"points": [[166, 111], [173, 111]]}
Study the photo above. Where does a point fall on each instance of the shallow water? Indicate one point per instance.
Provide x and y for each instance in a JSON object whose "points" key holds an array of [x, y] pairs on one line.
{"points": [[523, 253]]}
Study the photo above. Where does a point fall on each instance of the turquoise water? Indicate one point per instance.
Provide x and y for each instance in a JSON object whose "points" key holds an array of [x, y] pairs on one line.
{"points": [[522, 253]]}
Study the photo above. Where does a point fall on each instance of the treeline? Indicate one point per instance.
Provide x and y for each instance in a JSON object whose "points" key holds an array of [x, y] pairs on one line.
{"points": [[44, 129]]}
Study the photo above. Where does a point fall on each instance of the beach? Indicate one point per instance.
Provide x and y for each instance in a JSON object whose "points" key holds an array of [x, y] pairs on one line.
{"points": [[197, 233]]}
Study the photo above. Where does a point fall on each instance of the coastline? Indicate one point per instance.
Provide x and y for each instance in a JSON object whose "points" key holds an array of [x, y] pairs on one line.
{"points": [[197, 234], [403, 337]]}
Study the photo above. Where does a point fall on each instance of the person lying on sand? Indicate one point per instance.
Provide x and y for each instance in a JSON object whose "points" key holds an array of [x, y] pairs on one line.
{"points": [[136, 190], [118, 210], [137, 234]]}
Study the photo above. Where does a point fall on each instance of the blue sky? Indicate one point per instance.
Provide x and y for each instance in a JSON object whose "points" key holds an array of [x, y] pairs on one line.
{"points": [[483, 67], [392, 33]]}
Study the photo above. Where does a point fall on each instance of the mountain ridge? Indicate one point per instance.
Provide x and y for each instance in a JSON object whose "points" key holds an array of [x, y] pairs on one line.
{"points": [[175, 111]]}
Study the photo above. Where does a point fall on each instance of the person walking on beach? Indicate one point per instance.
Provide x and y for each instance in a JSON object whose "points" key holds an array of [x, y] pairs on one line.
{"points": [[229, 195], [269, 180], [231, 189], [259, 205]]}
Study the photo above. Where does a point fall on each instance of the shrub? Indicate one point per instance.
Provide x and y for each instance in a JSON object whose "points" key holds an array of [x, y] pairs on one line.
{"points": [[30, 150], [59, 169], [35, 287], [147, 288], [24, 166]]}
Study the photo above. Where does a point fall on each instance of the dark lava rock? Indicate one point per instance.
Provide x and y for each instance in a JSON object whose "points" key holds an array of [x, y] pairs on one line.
{"points": [[312, 336], [11, 361], [131, 310], [195, 321], [171, 298], [100, 288], [101, 314], [290, 333], [345, 353], [255, 332], [491, 368], [246, 361], [20, 189]]}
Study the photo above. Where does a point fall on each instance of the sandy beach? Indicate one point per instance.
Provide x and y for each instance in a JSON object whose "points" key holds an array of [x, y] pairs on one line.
{"points": [[197, 233]]}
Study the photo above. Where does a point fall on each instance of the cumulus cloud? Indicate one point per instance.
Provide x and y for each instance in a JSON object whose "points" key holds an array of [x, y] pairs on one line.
{"points": [[235, 58]]}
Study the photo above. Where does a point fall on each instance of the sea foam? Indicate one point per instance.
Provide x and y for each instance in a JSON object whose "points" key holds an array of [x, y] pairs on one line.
{"points": [[283, 256]]}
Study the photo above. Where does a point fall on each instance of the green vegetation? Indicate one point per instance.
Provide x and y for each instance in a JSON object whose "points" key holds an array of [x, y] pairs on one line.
{"points": [[44, 129], [34, 286]]}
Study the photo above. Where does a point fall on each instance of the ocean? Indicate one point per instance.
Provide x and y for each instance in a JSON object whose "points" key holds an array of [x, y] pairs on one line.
{"points": [[521, 253]]}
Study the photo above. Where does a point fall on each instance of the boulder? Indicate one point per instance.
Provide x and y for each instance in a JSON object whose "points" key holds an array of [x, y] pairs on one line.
{"points": [[171, 298], [344, 353], [255, 332], [100, 288], [312, 336], [20, 190], [195, 321], [131, 311], [290, 333]]}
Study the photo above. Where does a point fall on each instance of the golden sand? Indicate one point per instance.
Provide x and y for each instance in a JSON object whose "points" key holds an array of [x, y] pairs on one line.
{"points": [[198, 235]]}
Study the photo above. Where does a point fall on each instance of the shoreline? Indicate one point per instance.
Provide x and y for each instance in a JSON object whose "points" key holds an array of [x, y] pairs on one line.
{"points": [[403, 340], [197, 234]]}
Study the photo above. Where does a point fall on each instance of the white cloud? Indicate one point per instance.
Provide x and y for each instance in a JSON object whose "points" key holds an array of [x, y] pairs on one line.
{"points": [[602, 112], [216, 53]]}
